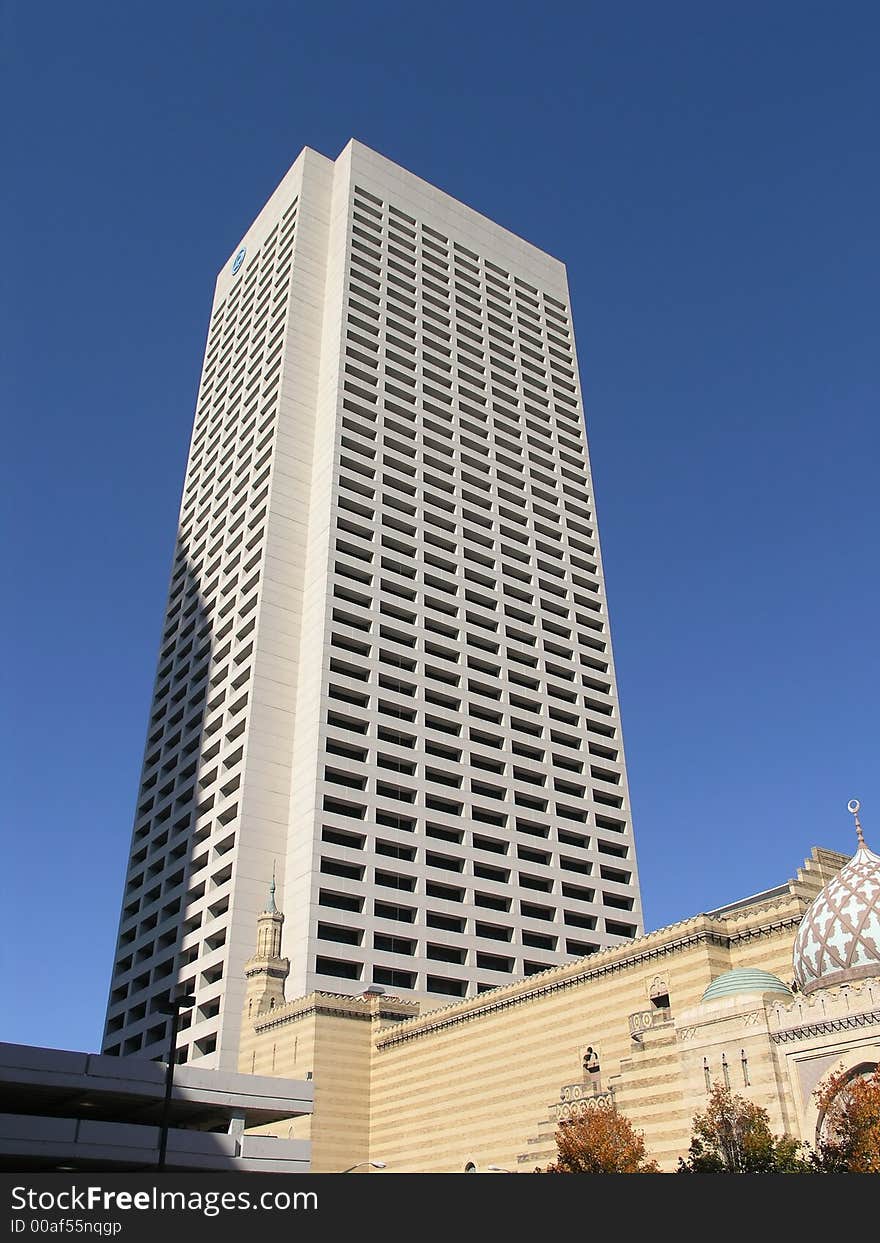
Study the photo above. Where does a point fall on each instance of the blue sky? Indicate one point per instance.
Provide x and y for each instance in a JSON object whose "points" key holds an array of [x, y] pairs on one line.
{"points": [[708, 173]]}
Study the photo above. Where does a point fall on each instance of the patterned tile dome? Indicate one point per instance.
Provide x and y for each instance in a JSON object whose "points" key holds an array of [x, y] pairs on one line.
{"points": [[839, 937]]}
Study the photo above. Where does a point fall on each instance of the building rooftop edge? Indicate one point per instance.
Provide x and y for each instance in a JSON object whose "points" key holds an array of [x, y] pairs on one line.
{"points": [[355, 144]]}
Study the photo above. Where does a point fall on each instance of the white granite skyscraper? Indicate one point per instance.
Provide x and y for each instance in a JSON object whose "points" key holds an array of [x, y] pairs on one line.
{"points": [[386, 666]]}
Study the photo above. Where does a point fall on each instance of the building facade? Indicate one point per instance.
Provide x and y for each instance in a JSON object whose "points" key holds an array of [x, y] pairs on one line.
{"points": [[768, 996], [385, 667]]}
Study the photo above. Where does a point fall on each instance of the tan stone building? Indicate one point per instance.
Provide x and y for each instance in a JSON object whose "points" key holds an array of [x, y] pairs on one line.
{"points": [[482, 1084]]}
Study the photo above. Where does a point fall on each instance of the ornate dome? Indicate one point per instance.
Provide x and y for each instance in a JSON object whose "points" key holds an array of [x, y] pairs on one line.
{"points": [[744, 980], [839, 937]]}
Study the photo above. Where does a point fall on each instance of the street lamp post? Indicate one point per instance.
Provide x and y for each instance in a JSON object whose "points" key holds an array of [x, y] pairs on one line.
{"points": [[377, 1165], [172, 1006]]}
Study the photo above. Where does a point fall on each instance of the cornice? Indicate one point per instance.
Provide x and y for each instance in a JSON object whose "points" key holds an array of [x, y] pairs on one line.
{"points": [[338, 1005], [846, 1022]]}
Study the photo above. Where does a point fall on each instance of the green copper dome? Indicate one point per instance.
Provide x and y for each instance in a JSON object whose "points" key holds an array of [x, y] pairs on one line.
{"points": [[744, 980]]}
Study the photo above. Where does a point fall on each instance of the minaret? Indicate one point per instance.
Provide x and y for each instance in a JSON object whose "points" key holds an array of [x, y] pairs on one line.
{"points": [[267, 970]]}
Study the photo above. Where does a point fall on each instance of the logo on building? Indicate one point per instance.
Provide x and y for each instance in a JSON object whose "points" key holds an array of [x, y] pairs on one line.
{"points": [[238, 261]]}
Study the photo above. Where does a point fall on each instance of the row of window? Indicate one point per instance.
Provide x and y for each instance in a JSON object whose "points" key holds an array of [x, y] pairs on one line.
{"points": [[400, 643], [514, 624], [454, 462], [423, 587], [453, 435], [478, 479], [470, 860], [539, 768], [359, 777], [375, 336], [544, 723], [464, 865], [397, 650], [438, 397], [481, 536], [565, 823], [403, 361]]}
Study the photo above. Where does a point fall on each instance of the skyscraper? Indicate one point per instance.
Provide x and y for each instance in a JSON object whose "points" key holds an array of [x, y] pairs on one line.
{"points": [[385, 670]]}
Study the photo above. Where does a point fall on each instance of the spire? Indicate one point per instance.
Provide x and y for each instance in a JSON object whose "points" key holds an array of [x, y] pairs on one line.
{"points": [[271, 908], [853, 808], [266, 971], [269, 924]]}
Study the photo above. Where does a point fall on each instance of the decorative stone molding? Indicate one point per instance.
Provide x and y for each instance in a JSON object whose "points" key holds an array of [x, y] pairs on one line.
{"points": [[698, 931], [847, 1022], [658, 987], [577, 1101], [643, 1020], [338, 1005]]}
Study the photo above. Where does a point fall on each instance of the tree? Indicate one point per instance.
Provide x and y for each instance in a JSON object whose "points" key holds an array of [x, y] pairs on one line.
{"points": [[733, 1136], [600, 1141], [849, 1134]]}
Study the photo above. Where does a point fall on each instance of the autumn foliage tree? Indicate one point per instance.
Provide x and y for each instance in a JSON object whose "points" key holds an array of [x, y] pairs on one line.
{"points": [[600, 1141], [733, 1136], [849, 1137]]}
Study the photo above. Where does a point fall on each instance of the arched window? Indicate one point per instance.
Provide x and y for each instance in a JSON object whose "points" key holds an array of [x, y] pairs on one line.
{"points": [[863, 1069]]}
